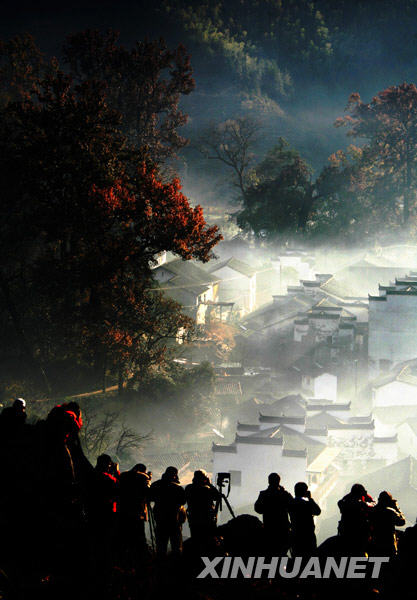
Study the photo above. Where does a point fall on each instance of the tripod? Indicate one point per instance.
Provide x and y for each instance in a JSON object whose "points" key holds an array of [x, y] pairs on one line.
{"points": [[223, 479], [151, 521]]}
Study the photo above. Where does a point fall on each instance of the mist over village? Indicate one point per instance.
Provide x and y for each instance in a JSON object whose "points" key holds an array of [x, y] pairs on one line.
{"points": [[208, 293]]}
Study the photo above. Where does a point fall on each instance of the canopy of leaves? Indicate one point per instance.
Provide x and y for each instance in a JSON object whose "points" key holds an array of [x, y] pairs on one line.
{"points": [[82, 216], [388, 124], [279, 200]]}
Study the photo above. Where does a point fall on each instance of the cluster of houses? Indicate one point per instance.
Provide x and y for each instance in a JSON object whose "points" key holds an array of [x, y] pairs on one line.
{"points": [[339, 398], [216, 291]]}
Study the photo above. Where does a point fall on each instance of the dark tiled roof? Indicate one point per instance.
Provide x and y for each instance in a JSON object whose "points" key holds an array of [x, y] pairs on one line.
{"points": [[188, 269], [258, 440], [322, 419], [291, 406], [341, 425], [294, 453], [410, 292], [325, 405], [282, 419], [318, 431], [235, 264], [323, 315], [218, 448], [386, 440], [247, 427], [307, 366]]}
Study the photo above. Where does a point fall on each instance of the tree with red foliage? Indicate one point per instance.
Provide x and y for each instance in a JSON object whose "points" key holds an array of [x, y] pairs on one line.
{"points": [[389, 125], [144, 84], [82, 216]]}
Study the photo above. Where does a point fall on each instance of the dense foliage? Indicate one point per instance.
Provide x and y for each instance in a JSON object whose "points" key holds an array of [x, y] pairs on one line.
{"points": [[83, 215]]}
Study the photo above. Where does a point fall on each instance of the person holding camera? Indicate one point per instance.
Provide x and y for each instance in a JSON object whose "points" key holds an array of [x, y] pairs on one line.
{"points": [[169, 512], [274, 505], [201, 501], [355, 520], [303, 509], [134, 496], [386, 516]]}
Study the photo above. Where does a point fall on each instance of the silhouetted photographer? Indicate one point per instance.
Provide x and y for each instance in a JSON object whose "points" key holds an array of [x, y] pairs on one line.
{"points": [[169, 511], [386, 516], [133, 510], [355, 522], [201, 502], [303, 509], [274, 505]]}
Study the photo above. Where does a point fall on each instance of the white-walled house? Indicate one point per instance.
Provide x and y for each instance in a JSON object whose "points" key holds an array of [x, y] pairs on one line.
{"points": [[190, 285], [393, 325], [397, 388], [237, 283], [254, 454], [291, 266], [328, 319], [316, 382], [291, 444]]}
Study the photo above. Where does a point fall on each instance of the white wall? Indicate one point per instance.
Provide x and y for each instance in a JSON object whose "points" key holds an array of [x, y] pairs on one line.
{"points": [[256, 462], [407, 440], [395, 393], [236, 288], [325, 386], [387, 451], [392, 330]]}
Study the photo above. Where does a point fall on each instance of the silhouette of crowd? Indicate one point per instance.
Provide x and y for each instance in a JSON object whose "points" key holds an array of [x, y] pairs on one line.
{"points": [[76, 519]]}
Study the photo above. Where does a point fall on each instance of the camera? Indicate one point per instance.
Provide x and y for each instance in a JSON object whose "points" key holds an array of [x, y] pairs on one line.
{"points": [[223, 479]]}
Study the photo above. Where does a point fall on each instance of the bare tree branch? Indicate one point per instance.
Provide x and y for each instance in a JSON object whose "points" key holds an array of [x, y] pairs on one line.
{"points": [[231, 143]]}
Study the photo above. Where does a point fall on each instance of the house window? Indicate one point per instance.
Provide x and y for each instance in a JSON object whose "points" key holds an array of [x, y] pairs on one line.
{"points": [[235, 478]]}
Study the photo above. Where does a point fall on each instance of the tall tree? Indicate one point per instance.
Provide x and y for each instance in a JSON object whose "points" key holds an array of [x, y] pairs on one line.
{"points": [[280, 199], [348, 210], [81, 219], [232, 143], [388, 124]]}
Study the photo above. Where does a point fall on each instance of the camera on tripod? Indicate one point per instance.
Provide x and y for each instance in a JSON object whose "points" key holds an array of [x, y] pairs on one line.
{"points": [[223, 479]]}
